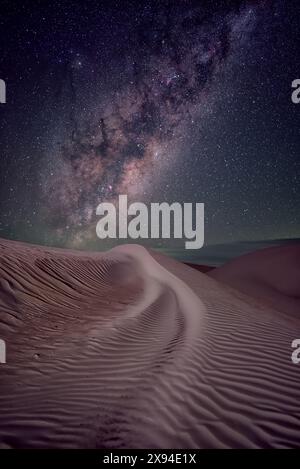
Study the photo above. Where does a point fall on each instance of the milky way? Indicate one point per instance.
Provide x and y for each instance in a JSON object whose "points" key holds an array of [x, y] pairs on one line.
{"points": [[184, 100], [145, 126]]}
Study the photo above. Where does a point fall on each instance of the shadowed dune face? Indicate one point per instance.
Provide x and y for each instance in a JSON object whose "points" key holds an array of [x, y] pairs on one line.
{"points": [[271, 275], [132, 349]]}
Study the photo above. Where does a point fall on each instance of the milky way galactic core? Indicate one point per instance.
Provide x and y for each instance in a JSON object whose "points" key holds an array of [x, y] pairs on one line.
{"points": [[182, 101]]}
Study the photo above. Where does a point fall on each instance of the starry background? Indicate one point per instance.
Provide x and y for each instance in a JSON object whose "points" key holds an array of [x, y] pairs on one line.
{"points": [[181, 100]]}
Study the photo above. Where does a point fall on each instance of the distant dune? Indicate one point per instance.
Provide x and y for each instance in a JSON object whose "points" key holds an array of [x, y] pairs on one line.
{"points": [[131, 349], [200, 267], [215, 255], [271, 275]]}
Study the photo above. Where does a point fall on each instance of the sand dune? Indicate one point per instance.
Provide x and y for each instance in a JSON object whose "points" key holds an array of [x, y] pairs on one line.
{"points": [[133, 349], [271, 275]]}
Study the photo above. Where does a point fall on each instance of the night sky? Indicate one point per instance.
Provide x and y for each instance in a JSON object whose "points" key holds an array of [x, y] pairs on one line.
{"points": [[181, 100]]}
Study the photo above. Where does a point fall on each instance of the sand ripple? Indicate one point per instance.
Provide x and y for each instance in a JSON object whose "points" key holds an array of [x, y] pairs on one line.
{"points": [[128, 349]]}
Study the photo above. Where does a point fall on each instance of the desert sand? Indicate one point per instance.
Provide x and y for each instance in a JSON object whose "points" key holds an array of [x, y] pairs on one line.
{"points": [[131, 349], [271, 275]]}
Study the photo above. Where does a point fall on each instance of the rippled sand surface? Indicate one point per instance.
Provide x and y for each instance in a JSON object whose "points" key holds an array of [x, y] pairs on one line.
{"points": [[130, 349]]}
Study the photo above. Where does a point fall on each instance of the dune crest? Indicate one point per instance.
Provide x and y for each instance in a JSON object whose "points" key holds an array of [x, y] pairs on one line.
{"points": [[272, 275], [133, 349]]}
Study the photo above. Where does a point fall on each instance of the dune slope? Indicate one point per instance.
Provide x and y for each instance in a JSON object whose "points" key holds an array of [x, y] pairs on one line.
{"points": [[271, 275], [133, 349]]}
